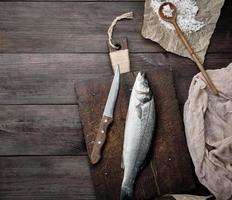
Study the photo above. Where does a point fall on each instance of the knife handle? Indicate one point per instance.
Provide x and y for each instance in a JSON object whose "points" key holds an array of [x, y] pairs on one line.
{"points": [[100, 139]]}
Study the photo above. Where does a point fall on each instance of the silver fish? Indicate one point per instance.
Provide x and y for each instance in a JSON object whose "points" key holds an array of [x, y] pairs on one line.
{"points": [[138, 133]]}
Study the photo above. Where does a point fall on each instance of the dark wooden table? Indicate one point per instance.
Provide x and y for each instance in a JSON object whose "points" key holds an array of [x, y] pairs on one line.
{"points": [[45, 47]]}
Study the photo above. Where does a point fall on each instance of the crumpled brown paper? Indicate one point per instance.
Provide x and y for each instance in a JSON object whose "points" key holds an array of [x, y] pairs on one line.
{"points": [[209, 12]]}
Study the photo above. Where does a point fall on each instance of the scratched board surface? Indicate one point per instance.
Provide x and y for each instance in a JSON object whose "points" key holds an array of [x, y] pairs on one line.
{"points": [[45, 47], [168, 168]]}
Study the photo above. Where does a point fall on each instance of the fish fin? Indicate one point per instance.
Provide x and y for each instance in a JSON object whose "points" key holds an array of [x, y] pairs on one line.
{"points": [[144, 164], [139, 110], [126, 193], [122, 163]]}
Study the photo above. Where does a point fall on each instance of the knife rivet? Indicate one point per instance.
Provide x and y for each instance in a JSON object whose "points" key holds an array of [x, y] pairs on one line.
{"points": [[106, 120], [102, 131], [99, 142]]}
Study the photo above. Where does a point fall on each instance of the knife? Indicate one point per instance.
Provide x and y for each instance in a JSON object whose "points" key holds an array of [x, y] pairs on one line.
{"points": [[107, 118]]}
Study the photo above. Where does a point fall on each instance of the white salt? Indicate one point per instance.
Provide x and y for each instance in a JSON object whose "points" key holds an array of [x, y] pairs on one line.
{"points": [[167, 11], [186, 13]]}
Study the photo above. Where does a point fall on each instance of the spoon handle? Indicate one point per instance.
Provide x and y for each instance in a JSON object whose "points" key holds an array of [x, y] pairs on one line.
{"points": [[195, 58]]}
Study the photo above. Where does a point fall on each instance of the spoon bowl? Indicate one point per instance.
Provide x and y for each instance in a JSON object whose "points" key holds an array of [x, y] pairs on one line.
{"points": [[167, 18]]}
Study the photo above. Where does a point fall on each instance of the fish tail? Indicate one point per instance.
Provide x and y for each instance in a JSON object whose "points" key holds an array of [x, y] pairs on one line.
{"points": [[126, 193]]}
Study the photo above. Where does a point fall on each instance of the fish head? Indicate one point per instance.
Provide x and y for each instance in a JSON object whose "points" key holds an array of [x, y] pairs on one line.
{"points": [[142, 89]]}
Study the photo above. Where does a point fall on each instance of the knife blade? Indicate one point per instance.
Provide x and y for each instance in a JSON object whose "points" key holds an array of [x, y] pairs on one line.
{"points": [[107, 118]]}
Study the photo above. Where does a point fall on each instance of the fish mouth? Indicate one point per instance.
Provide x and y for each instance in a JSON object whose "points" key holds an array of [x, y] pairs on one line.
{"points": [[141, 84], [142, 74]]}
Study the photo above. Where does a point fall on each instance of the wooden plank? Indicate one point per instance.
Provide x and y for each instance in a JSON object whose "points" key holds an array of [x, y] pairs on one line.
{"points": [[165, 172], [50, 78], [72, 0], [74, 27], [51, 178], [40, 130]]}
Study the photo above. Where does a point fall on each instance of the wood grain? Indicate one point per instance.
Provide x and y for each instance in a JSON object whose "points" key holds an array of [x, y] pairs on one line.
{"points": [[45, 47], [40, 130], [166, 173], [50, 78], [74, 27], [73, 0], [47, 177], [100, 139]]}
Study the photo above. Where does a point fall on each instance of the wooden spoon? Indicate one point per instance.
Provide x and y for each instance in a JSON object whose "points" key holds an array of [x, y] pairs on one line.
{"points": [[172, 19]]}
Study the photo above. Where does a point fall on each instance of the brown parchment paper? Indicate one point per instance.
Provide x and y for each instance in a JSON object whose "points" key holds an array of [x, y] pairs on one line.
{"points": [[209, 12]]}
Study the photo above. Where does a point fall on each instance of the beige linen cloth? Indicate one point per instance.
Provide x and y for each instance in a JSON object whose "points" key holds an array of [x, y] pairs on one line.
{"points": [[208, 127], [189, 197]]}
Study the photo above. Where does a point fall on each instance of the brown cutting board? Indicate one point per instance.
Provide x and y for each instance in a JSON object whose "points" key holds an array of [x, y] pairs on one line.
{"points": [[168, 168]]}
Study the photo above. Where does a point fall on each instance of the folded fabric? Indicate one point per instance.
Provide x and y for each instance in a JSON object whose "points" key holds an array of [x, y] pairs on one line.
{"points": [[189, 197], [208, 127]]}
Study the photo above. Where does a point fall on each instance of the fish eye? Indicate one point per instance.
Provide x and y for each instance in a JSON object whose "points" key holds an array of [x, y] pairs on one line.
{"points": [[145, 82]]}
